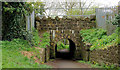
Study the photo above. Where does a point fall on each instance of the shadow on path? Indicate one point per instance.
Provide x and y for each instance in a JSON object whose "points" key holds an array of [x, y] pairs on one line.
{"points": [[63, 60], [65, 63]]}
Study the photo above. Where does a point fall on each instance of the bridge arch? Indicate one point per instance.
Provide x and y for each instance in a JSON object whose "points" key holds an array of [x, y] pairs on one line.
{"points": [[69, 54], [65, 28]]}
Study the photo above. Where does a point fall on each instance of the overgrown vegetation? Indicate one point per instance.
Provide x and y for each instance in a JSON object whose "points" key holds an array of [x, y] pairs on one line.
{"points": [[99, 39], [0, 57], [35, 38], [14, 18], [44, 40], [91, 35], [102, 65], [115, 21], [61, 45], [12, 57], [12, 50]]}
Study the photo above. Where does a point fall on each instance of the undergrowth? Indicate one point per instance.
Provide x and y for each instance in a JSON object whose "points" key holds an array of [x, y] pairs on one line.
{"points": [[102, 65], [99, 39], [12, 57], [42, 41], [61, 45]]}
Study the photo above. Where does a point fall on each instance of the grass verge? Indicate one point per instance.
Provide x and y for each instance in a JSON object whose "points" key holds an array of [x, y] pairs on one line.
{"points": [[12, 57]]}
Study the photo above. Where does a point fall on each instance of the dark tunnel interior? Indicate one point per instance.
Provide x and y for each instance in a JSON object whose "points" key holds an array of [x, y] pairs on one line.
{"points": [[66, 54]]}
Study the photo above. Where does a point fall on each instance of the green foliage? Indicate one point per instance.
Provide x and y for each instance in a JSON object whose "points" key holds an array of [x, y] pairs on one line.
{"points": [[41, 41], [0, 57], [91, 10], [116, 20], [16, 44], [37, 6], [61, 45], [44, 40], [99, 39], [105, 42], [12, 58], [36, 38], [102, 65], [82, 11], [14, 20], [91, 35]]}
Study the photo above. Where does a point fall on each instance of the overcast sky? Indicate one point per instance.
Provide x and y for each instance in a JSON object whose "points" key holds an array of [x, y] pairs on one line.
{"points": [[107, 2], [102, 3]]}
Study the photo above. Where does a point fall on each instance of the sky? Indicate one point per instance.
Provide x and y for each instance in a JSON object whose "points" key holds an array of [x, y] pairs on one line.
{"points": [[107, 2], [102, 3]]}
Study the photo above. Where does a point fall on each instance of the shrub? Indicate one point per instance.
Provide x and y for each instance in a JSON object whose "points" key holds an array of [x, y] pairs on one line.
{"points": [[91, 35], [99, 39]]}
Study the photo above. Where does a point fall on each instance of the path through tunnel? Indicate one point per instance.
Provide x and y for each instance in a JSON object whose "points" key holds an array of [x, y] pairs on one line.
{"points": [[65, 53]]}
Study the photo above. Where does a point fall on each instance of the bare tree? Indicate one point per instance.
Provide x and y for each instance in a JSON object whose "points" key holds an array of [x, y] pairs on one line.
{"points": [[78, 5], [67, 7]]}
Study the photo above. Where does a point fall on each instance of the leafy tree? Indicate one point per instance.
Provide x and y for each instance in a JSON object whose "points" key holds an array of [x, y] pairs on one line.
{"points": [[13, 18], [78, 11], [116, 20], [37, 6]]}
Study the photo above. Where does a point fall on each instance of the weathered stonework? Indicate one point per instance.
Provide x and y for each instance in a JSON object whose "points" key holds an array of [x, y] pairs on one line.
{"points": [[107, 56], [65, 28]]}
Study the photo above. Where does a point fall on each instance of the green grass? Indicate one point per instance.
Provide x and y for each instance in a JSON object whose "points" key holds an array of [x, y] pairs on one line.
{"points": [[12, 58], [0, 56]]}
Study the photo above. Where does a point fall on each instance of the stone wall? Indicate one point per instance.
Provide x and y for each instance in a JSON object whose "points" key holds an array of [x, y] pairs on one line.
{"points": [[86, 52], [47, 54], [64, 23], [44, 55], [107, 56]]}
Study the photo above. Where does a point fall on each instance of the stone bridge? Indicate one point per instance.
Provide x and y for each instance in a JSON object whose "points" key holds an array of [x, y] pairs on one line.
{"points": [[66, 28]]}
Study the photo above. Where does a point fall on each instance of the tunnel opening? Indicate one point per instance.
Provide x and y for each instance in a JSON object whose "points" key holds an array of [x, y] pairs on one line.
{"points": [[68, 52]]}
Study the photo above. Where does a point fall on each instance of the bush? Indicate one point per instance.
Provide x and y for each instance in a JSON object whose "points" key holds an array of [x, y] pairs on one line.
{"points": [[13, 18], [99, 39], [91, 35]]}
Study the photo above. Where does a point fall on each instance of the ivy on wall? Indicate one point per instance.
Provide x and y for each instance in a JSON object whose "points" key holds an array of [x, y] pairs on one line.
{"points": [[13, 18]]}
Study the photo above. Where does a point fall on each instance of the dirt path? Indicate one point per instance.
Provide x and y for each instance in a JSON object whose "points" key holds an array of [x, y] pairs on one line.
{"points": [[64, 63]]}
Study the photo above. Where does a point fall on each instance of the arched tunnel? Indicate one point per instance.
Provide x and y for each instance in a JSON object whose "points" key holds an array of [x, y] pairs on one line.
{"points": [[66, 54]]}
